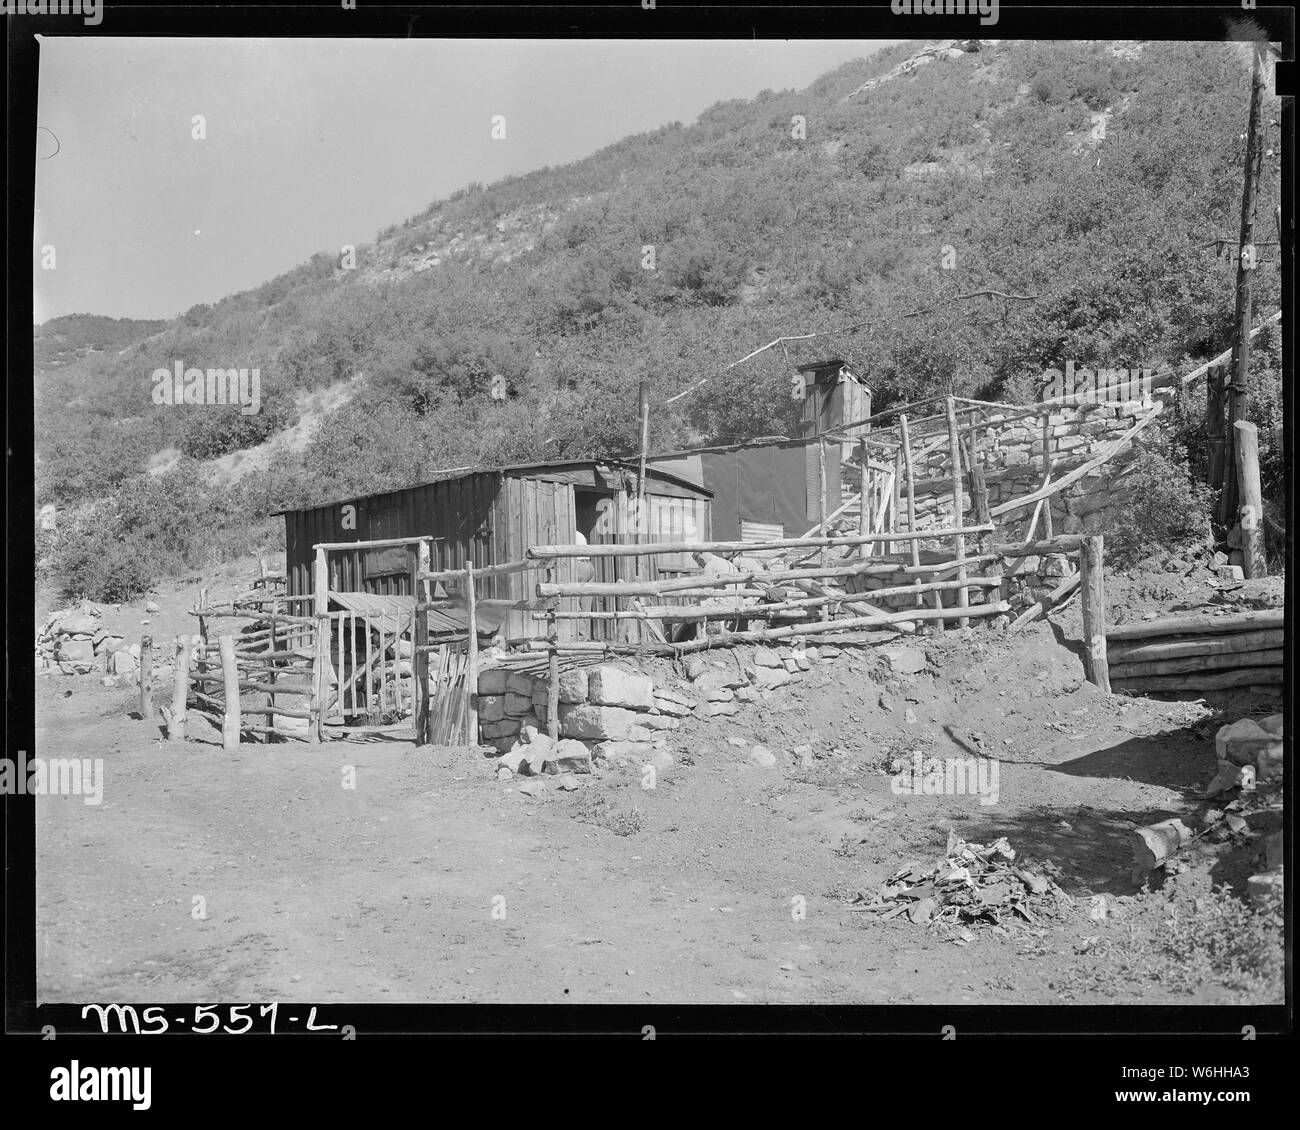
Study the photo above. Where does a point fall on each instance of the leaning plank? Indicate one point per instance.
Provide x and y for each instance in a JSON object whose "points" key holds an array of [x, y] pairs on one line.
{"points": [[1074, 476], [1050, 601], [1141, 651], [1194, 625], [1270, 658], [1220, 680]]}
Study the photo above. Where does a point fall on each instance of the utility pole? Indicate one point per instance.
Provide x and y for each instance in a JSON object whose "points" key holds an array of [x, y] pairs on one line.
{"points": [[1238, 391]]}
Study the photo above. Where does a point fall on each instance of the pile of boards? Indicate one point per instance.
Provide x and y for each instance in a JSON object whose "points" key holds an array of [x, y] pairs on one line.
{"points": [[1198, 653], [970, 883]]}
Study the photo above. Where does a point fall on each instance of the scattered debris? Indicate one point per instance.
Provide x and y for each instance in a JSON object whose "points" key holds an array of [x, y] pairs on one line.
{"points": [[971, 883]]}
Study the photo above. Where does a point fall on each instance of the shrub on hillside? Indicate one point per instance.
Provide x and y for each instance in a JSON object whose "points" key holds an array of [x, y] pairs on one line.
{"points": [[1165, 508], [215, 430]]}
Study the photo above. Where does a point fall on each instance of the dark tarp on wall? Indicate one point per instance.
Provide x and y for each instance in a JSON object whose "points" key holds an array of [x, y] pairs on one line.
{"points": [[770, 482]]}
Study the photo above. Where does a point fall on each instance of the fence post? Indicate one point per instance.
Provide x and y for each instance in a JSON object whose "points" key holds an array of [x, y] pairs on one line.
{"points": [[146, 678], [1253, 562], [1093, 598], [954, 452], [471, 660], [230, 676], [553, 681], [320, 590], [420, 657], [180, 691]]}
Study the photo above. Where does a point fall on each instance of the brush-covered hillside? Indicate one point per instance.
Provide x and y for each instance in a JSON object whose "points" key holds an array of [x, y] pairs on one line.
{"points": [[1088, 176]]}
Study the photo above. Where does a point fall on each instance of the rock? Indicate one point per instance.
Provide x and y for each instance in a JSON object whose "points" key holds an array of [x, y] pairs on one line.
{"points": [[767, 677], [537, 758], [672, 709], [812, 654], [569, 783], [1242, 742], [909, 716], [720, 709], [514, 760], [1230, 573], [568, 756], [739, 743], [827, 651], [719, 694], [695, 666], [767, 657], [625, 753], [747, 694], [491, 707], [1273, 724], [611, 686], [573, 685], [108, 681], [79, 624], [886, 703], [520, 684], [801, 751], [761, 756], [675, 696], [718, 679], [504, 774], [123, 663], [518, 704], [493, 681], [75, 650], [905, 660], [658, 722], [505, 728], [598, 723], [1260, 887], [151, 607], [533, 789]]}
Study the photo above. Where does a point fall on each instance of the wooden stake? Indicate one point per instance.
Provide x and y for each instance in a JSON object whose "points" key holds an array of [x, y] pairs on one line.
{"points": [[864, 500], [1047, 474], [1238, 390], [471, 665], [553, 683], [180, 691], [1251, 512], [420, 657], [1094, 612], [954, 454], [146, 678], [230, 713], [321, 591]]}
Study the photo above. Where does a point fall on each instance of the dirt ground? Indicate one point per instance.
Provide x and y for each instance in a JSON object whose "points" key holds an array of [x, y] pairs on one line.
{"points": [[432, 881]]}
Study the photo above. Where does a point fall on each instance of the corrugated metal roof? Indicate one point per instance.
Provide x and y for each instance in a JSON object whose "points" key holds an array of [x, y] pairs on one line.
{"points": [[517, 469]]}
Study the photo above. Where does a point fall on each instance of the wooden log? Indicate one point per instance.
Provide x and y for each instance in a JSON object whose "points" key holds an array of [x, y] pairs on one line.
{"points": [[320, 592], [1272, 657], [230, 717], [685, 612], [146, 678], [180, 691], [1178, 647], [1046, 500], [910, 472], [864, 501], [1061, 543], [251, 686], [627, 550], [954, 454], [839, 625], [1209, 681], [1198, 625], [471, 660], [503, 570], [1251, 510], [420, 657], [1092, 588], [553, 685], [1042, 607]]}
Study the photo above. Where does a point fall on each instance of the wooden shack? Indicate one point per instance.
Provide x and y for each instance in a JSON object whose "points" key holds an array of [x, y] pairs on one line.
{"points": [[490, 517]]}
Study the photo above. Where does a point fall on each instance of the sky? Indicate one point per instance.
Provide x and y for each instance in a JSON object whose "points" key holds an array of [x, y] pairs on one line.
{"points": [[314, 144]]}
